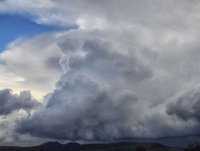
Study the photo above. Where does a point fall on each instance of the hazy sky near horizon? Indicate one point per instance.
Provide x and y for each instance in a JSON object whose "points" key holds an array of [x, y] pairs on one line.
{"points": [[98, 70]]}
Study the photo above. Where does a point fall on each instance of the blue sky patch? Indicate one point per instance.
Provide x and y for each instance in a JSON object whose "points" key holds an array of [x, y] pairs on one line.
{"points": [[16, 26]]}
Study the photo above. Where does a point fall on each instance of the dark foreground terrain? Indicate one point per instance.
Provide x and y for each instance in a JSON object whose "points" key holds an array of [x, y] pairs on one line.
{"points": [[54, 146]]}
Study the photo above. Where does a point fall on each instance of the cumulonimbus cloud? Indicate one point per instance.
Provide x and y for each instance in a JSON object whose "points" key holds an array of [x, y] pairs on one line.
{"points": [[94, 93], [127, 71], [107, 94]]}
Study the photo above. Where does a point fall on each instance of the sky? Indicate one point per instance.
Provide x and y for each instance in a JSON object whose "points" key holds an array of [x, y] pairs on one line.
{"points": [[14, 26], [90, 70]]}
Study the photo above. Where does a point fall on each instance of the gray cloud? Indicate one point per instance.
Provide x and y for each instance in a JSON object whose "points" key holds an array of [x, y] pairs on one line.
{"points": [[106, 93], [10, 102], [118, 81], [14, 107], [42, 57], [86, 89], [101, 118], [117, 13], [187, 107], [125, 70]]}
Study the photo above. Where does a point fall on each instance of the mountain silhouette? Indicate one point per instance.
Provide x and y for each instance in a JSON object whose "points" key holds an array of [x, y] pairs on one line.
{"points": [[121, 146]]}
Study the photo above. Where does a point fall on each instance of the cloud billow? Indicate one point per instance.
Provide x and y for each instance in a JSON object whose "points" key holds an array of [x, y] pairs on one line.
{"points": [[10, 102], [85, 104], [187, 107], [106, 94], [131, 69]]}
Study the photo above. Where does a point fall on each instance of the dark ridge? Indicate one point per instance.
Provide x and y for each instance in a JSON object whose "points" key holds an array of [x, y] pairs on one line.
{"points": [[72, 146], [52, 144], [121, 146]]}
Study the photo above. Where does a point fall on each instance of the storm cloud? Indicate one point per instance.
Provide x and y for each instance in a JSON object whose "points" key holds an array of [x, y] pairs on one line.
{"points": [[91, 87], [10, 102], [187, 106], [130, 69], [108, 94]]}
